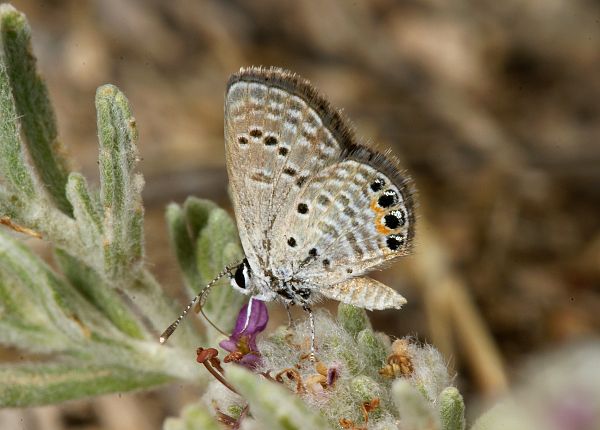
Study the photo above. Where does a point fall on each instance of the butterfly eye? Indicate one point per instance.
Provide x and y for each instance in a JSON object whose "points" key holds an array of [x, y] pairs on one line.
{"points": [[240, 278]]}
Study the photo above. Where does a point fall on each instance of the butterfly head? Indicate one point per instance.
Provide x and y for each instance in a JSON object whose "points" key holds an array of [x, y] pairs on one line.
{"points": [[246, 281]]}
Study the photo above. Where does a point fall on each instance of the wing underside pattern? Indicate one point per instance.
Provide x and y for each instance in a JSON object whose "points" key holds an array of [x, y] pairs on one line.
{"points": [[311, 203]]}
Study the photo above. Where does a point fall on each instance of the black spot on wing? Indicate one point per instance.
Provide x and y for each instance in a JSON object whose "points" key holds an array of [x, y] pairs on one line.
{"points": [[255, 132], [302, 208], [270, 140]]}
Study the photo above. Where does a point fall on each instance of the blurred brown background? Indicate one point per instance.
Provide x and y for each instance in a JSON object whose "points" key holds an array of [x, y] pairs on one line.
{"points": [[492, 106]]}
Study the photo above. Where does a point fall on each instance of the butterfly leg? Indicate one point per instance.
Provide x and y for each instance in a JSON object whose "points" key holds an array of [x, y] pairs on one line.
{"points": [[289, 314], [311, 320]]}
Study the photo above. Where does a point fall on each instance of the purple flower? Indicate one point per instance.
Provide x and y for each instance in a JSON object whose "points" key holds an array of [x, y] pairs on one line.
{"points": [[333, 374], [242, 343]]}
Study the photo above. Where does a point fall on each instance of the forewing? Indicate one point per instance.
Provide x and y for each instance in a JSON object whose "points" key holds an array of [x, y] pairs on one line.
{"points": [[278, 133], [351, 217]]}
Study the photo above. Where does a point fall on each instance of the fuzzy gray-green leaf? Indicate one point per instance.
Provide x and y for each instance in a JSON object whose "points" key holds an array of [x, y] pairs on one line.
{"points": [[183, 244], [452, 409], [218, 232], [218, 247], [107, 300], [58, 308], [33, 287], [185, 226], [24, 323], [120, 186], [205, 241], [415, 412], [197, 212], [33, 106], [13, 168], [42, 383], [274, 406], [87, 213], [353, 319], [365, 389], [373, 348]]}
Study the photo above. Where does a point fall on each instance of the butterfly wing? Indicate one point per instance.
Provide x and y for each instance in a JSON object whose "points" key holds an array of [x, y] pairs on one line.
{"points": [[313, 206], [278, 132], [357, 215]]}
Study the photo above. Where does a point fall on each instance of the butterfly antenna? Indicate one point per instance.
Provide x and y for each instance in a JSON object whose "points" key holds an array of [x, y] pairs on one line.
{"points": [[202, 297], [202, 301]]}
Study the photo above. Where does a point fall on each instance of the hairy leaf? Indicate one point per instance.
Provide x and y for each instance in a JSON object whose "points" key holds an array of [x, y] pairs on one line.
{"points": [[105, 299], [375, 350], [53, 304], [184, 245], [452, 409], [35, 384], [86, 210], [120, 186], [218, 247], [415, 412], [205, 241], [353, 319], [13, 168], [33, 106]]}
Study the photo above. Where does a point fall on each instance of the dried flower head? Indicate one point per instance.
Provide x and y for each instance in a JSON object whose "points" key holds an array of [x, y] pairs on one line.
{"points": [[399, 362]]}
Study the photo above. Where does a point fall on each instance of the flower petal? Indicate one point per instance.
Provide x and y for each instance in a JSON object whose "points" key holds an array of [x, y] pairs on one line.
{"points": [[229, 345], [240, 322], [247, 327], [250, 360], [259, 317]]}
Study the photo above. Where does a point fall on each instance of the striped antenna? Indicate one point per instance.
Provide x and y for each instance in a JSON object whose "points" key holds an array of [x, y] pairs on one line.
{"points": [[201, 296]]}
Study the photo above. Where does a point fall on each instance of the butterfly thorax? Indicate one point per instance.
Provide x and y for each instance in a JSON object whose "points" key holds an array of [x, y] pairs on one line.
{"points": [[295, 293]]}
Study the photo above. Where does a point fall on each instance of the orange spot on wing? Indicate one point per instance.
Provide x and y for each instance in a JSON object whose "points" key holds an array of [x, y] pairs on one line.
{"points": [[381, 228], [375, 207]]}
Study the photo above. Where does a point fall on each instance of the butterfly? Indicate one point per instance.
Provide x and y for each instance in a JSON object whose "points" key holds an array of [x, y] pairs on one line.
{"points": [[316, 209]]}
